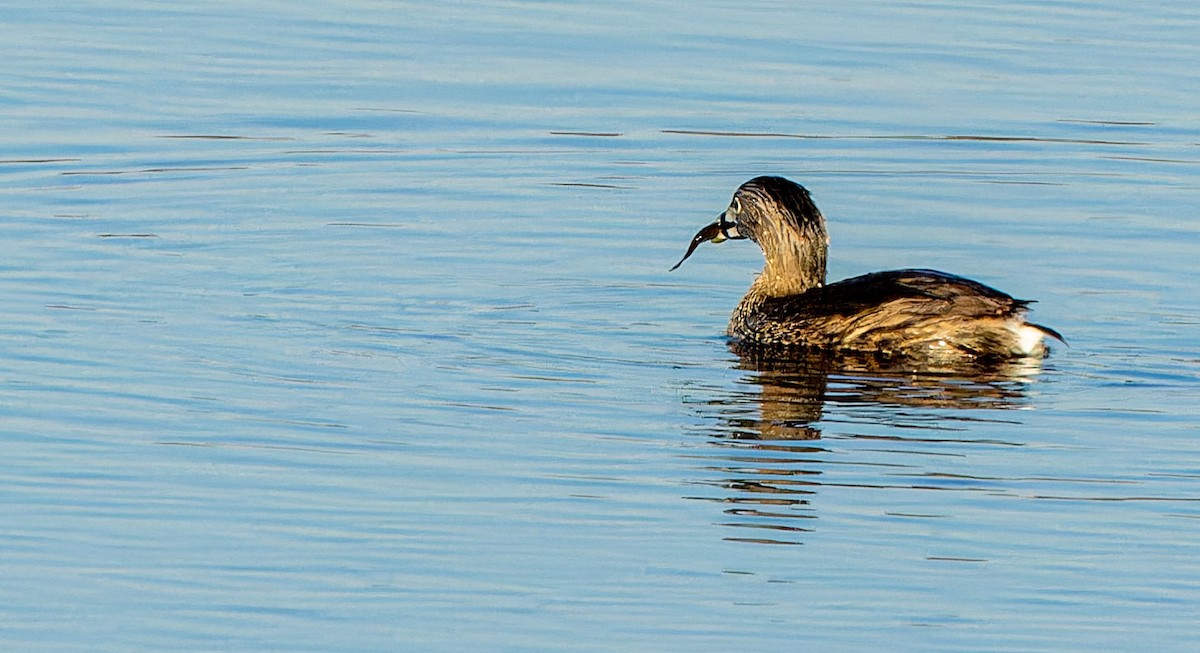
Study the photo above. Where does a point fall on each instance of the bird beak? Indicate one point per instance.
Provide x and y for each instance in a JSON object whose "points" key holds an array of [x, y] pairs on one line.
{"points": [[716, 232]]}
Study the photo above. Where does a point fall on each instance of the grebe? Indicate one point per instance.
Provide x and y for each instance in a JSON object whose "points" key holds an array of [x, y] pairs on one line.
{"points": [[921, 315]]}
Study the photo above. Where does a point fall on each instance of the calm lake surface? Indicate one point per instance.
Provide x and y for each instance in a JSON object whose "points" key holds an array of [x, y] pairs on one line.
{"points": [[349, 328]]}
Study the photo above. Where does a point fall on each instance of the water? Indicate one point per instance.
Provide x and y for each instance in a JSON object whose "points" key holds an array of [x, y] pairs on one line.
{"points": [[349, 328]]}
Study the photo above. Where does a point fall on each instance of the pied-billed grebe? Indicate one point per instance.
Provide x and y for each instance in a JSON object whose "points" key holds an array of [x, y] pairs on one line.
{"points": [[910, 314]]}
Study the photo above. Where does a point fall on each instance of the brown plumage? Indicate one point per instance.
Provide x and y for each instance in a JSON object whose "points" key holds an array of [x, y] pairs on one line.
{"points": [[921, 315]]}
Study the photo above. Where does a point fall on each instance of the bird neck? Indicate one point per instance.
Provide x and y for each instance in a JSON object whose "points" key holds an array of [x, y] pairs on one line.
{"points": [[794, 264]]}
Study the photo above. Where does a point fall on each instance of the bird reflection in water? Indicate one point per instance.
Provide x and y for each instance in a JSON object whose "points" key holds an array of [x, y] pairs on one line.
{"points": [[771, 457]]}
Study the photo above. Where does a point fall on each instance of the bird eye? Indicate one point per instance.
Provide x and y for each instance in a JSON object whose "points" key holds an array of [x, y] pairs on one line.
{"points": [[735, 206]]}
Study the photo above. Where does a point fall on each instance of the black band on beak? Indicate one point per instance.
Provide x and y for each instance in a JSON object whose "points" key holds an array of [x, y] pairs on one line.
{"points": [[716, 232]]}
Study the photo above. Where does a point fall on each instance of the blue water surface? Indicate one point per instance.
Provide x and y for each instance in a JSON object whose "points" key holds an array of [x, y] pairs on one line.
{"points": [[349, 327]]}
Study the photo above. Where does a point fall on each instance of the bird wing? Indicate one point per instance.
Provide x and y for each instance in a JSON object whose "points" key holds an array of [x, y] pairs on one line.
{"points": [[881, 305]]}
